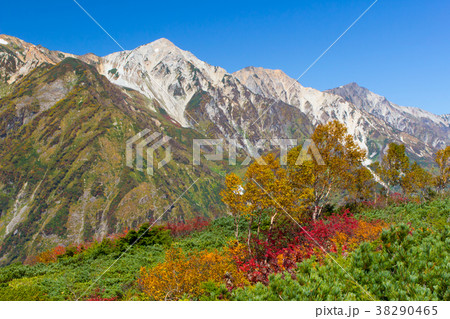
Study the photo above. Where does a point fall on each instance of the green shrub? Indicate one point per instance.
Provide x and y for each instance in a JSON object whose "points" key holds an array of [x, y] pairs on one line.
{"points": [[57, 225], [434, 214], [410, 266], [23, 293], [156, 235]]}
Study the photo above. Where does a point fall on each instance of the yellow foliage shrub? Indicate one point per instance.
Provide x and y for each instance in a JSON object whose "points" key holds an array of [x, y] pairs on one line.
{"points": [[237, 250], [365, 232], [183, 274]]}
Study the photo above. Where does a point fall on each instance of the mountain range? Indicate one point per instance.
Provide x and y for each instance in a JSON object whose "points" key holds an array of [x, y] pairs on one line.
{"points": [[65, 120]]}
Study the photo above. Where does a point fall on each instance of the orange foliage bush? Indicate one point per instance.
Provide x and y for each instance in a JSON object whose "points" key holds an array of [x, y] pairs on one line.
{"points": [[51, 255], [364, 232], [184, 274]]}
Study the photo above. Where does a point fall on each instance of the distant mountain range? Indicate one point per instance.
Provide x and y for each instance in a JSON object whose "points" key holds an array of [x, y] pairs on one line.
{"points": [[432, 129], [193, 92], [64, 121]]}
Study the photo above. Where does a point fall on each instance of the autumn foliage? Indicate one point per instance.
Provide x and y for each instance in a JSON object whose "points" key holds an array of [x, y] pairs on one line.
{"points": [[97, 296], [50, 255], [176, 229], [184, 274], [286, 220], [185, 228], [286, 246], [365, 231]]}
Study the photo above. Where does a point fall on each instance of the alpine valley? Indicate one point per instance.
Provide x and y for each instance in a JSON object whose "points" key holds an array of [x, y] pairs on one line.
{"points": [[65, 121]]}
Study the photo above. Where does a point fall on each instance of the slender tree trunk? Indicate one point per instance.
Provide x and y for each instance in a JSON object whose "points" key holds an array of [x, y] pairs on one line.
{"points": [[388, 192], [249, 235], [272, 220], [236, 224], [317, 211], [259, 225]]}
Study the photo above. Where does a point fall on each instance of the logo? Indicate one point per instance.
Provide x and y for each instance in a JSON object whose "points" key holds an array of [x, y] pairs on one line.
{"points": [[253, 150], [148, 144]]}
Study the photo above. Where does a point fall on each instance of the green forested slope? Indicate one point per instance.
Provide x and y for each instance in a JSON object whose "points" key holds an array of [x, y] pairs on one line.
{"points": [[63, 178]]}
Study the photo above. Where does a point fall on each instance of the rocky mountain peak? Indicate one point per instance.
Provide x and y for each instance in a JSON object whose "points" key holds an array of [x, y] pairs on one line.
{"points": [[18, 57], [353, 89], [180, 84], [162, 71], [162, 41], [269, 83], [353, 85], [158, 47], [259, 74]]}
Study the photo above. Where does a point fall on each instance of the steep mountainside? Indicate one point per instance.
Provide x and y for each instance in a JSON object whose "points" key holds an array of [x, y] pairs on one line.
{"points": [[18, 58], [432, 129], [196, 94], [446, 118], [63, 179], [253, 103], [372, 133]]}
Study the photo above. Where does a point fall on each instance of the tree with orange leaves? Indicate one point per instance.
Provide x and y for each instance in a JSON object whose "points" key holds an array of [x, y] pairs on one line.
{"points": [[185, 274], [362, 186], [266, 189]]}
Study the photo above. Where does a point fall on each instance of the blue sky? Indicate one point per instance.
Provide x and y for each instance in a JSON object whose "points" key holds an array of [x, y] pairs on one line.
{"points": [[399, 49]]}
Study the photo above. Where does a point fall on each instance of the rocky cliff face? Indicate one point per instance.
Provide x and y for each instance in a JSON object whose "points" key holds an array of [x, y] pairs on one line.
{"points": [[253, 103], [18, 58], [198, 95], [371, 132], [432, 129]]}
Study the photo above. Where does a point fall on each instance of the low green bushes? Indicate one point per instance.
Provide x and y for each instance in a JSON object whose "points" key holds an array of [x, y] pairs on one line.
{"points": [[405, 265]]}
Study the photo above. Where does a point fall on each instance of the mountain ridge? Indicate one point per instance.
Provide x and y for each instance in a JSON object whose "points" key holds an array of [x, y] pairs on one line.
{"points": [[180, 82], [428, 127]]}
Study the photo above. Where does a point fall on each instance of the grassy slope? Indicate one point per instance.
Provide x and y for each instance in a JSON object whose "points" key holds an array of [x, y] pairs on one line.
{"points": [[435, 215], [69, 277]]}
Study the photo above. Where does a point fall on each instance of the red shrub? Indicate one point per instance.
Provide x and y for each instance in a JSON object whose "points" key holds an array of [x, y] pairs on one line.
{"points": [[185, 228], [97, 296], [283, 248], [102, 299]]}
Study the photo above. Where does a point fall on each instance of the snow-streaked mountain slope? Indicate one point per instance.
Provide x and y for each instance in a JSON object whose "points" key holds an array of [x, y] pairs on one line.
{"points": [[162, 71], [320, 107], [193, 92], [446, 118], [429, 128], [196, 94], [253, 102]]}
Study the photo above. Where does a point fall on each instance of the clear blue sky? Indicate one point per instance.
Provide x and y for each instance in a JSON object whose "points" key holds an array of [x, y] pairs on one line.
{"points": [[399, 49]]}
